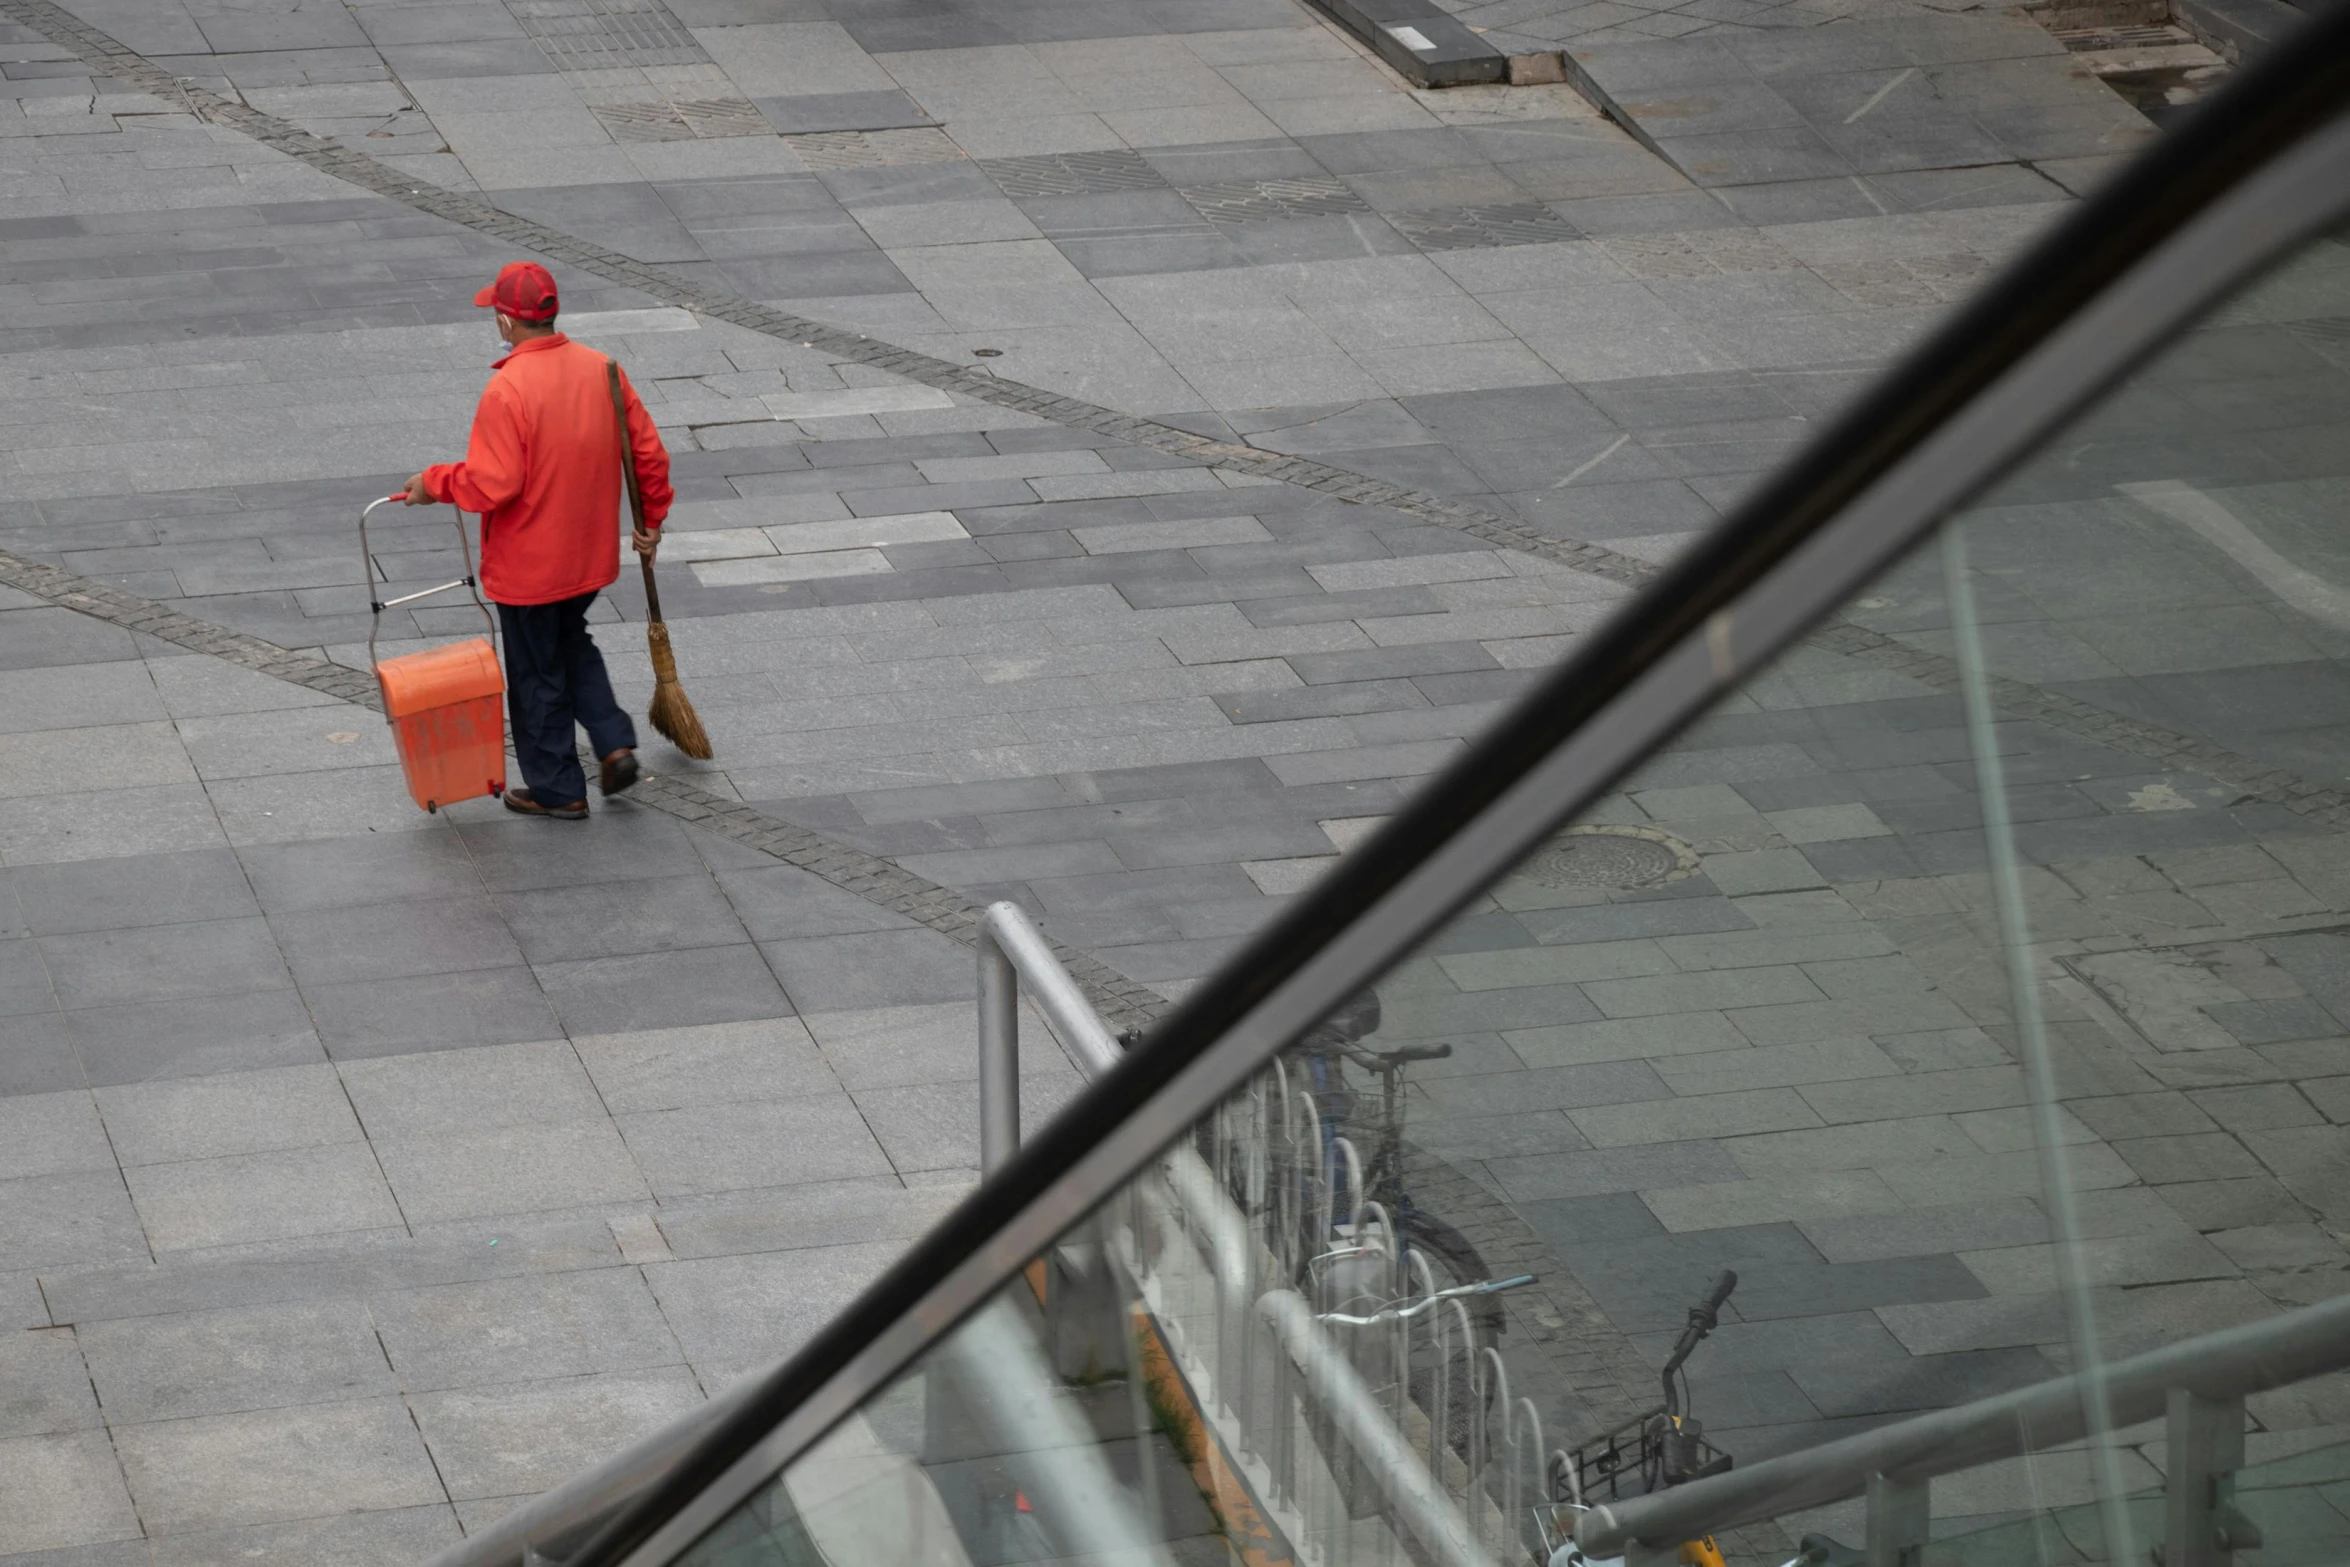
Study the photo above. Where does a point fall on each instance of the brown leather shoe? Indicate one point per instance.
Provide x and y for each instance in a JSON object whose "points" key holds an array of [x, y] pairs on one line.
{"points": [[618, 772], [520, 802]]}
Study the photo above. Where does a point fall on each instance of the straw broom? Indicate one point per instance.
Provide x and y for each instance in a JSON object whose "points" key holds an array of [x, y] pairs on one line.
{"points": [[671, 713]]}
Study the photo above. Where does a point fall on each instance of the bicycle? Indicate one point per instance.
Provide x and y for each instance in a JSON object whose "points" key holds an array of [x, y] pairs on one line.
{"points": [[1663, 1447], [1336, 1044], [1383, 1170], [1371, 1125]]}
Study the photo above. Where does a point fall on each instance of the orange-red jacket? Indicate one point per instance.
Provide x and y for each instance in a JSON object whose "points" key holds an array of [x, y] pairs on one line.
{"points": [[543, 470]]}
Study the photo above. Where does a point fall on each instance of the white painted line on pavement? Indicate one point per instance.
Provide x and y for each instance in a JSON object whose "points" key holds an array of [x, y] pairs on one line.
{"points": [[918, 527], [1612, 448], [696, 546], [790, 568], [1878, 96]]}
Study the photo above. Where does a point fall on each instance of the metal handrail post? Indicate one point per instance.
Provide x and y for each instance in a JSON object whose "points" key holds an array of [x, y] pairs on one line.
{"points": [[1014, 956], [1048, 986], [1899, 1518], [999, 1055], [2203, 1449]]}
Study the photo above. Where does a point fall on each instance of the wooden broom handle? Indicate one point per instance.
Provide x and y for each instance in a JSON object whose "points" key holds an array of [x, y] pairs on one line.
{"points": [[636, 500]]}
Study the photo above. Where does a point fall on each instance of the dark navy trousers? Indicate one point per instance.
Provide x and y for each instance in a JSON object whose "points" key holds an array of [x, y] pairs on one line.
{"points": [[554, 679]]}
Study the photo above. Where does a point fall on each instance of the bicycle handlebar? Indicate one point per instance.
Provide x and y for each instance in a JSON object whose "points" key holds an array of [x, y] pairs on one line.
{"points": [[1703, 1318]]}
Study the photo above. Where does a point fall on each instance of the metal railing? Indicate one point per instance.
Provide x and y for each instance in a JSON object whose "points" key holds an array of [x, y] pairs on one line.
{"points": [[1355, 1394], [1013, 950], [2198, 1387]]}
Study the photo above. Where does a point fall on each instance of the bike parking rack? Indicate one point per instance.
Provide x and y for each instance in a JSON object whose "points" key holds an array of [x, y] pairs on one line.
{"points": [[1256, 1316]]}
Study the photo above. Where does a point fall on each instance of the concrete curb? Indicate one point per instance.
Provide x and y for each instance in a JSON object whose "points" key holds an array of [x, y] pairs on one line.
{"points": [[1420, 40]]}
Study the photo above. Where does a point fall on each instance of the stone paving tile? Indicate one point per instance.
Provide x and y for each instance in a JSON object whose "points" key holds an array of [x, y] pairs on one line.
{"points": [[560, 1325], [734, 1312], [63, 1490], [266, 1466], [522, 1438], [225, 1114], [244, 1358], [277, 1195]]}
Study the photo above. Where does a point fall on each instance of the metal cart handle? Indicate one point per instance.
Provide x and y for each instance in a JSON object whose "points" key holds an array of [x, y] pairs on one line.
{"points": [[376, 606]]}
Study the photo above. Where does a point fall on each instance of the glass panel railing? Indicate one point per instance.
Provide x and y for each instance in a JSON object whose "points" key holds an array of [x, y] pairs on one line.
{"points": [[2070, 782], [1961, 1003], [1244, 1350]]}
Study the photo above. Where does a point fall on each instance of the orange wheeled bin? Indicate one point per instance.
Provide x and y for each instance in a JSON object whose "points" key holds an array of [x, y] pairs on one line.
{"points": [[446, 705]]}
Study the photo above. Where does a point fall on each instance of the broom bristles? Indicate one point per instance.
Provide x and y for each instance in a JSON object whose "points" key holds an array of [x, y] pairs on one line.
{"points": [[671, 714]]}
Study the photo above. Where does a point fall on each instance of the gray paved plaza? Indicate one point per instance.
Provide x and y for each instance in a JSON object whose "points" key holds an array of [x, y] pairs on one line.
{"points": [[362, 1172]]}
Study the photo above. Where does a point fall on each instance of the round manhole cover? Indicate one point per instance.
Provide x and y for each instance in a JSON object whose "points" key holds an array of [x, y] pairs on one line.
{"points": [[1617, 857]]}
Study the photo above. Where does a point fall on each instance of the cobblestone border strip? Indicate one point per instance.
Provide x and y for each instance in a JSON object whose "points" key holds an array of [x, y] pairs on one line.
{"points": [[110, 57], [1122, 1001]]}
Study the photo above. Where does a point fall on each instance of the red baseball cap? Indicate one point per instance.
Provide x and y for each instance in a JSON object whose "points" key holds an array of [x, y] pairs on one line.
{"points": [[524, 290]]}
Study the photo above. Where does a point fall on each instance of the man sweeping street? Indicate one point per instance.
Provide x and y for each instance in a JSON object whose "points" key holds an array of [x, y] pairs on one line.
{"points": [[543, 471]]}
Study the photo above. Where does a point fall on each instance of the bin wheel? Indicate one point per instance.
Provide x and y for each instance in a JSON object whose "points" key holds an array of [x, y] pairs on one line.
{"points": [[496, 788]]}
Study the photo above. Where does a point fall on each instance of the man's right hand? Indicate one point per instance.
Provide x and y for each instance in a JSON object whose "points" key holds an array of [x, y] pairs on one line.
{"points": [[645, 541], [417, 494]]}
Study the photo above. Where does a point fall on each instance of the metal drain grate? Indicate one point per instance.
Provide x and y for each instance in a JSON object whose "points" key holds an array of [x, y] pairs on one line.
{"points": [[581, 36], [724, 117], [683, 121], [1610, 857], [1072, 174], [1271, 201], [638, 69], [1470, 228], [874, 149], [2093, 40]]}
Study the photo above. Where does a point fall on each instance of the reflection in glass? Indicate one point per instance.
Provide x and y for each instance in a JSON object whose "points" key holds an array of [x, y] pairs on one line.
{"points": [[1960, 1106]]}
